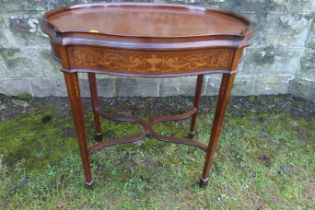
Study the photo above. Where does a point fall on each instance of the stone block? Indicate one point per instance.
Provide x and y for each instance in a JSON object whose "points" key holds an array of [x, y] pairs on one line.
{"points": [[14, 86], [271, 60], [258, 6], [186, 2], [26, 63], [243, 85], [308, 65], [272, 84], [135, 1], [303, 88], [23, 29], [51, 67], [241, 64], [51, 4], [178, 86], [4, 42], [288, 29], [259, 27], [310, 41], [62, 3], [214, 4], [302, 6], [105, 87], [212, 84], [1, 69], [280, 29], [137, 87], [59, 87], [41, 87], [17, 5]]}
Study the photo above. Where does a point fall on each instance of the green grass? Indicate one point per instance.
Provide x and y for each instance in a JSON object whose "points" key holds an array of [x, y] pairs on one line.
{"points": [[264, 160]]}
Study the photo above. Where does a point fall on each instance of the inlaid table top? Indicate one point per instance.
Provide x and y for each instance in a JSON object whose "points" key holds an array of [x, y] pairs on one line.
{"points": [[147, 40], [148, 21], [163, 22]]}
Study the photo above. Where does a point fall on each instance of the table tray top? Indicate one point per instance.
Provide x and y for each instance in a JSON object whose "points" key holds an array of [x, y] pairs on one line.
{"points": [[147, 40], [148, 22]]}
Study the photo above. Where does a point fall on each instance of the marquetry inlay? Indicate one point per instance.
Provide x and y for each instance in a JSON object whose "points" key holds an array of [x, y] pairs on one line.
{"points": [[149, 62]]}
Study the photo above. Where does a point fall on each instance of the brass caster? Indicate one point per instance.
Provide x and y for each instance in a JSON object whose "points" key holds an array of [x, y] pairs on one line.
{"points": [[89, 185], [191, 134], [203, 182], [98, 137]]}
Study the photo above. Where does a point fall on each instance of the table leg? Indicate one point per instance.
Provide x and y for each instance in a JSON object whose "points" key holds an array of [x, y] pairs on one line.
{"points": [[225, 90], [73, 89], [198, 89], [95, 104]]}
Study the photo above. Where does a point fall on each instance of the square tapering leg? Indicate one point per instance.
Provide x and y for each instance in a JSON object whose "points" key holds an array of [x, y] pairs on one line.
{"points": [[198, 90], [95, 104], [74, 96], [225, 90]]}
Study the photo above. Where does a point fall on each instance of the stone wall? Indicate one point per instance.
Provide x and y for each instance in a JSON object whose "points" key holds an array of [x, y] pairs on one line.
{"points": [[280, 59]]}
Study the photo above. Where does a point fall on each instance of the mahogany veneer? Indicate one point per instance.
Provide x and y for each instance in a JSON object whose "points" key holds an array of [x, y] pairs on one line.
{"points": [[146, 40]]}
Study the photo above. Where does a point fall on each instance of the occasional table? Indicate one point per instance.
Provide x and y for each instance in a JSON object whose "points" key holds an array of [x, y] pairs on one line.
{"points": [[146, 40]]}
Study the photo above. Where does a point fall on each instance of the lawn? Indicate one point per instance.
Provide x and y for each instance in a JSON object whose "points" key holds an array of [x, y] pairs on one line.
{"points": [[265, 157]]}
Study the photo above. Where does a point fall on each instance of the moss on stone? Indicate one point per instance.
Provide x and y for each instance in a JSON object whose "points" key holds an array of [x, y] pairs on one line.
{"points": [[8, 53], [24, 96], [264, 56]]}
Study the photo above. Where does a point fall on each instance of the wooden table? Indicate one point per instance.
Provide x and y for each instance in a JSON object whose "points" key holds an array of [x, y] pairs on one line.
{"points": [[146, 40]]}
